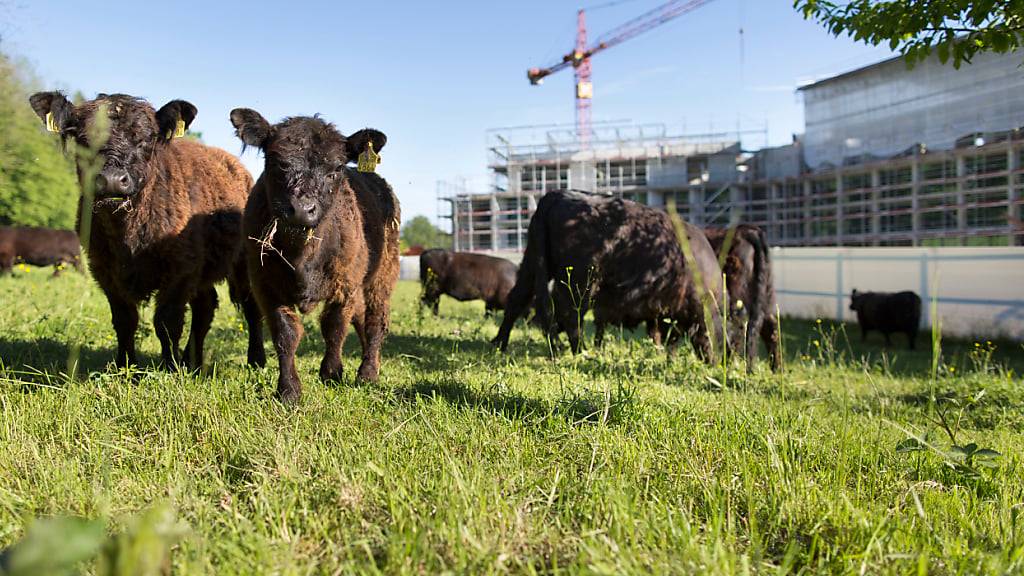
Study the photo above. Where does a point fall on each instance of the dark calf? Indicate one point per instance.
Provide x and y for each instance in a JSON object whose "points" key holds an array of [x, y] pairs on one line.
{"points": [[887, 312], [319, 232], [38, 247], [166, 217], [465, 276], [618, 257], [746, 263]]}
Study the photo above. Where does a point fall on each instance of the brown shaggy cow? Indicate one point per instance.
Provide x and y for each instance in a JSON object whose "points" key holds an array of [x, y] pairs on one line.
{"points": [[748, 280], [465, 276], [166, 218], [319, 232], [619, 257], [38, 247]]}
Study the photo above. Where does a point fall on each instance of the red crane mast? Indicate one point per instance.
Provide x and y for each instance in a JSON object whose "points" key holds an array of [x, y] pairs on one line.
{"points": [[579, 58]]}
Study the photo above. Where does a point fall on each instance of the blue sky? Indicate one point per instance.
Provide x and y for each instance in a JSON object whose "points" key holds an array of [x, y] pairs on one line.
{"points": [[432, 75]]}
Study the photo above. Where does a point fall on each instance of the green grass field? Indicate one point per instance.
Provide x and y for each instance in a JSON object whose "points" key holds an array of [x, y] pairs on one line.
{"points": [[467, 461]]}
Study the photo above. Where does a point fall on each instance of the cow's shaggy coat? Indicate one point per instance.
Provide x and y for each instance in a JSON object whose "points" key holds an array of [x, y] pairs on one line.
{"points": [[166, 217], [620, 258], [465, 276], [746, 263], [319, 231]]}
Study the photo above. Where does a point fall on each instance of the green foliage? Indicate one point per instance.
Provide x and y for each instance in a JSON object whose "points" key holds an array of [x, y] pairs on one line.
{"points": [[37, 181], [954, 29], [53, 546], [462, 460], [62, 544], [419, 231]]}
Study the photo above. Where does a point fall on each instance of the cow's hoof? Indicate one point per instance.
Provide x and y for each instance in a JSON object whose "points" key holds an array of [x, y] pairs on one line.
{"points": [[288, 396]]}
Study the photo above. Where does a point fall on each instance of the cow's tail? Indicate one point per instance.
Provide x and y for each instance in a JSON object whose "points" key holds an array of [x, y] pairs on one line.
{"points": [[762, 272], [531, 287]]}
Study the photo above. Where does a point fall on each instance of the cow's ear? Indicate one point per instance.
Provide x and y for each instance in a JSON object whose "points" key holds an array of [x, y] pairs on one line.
{"points": [[174, 118], [53, 108], [356, 143], [250, 127]]}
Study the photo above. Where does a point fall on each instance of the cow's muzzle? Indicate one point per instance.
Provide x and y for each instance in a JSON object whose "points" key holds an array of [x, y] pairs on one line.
{"points": [[113, 182]]}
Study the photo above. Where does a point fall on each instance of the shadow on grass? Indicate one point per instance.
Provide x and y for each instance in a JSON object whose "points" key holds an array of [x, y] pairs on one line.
{"points": [[575, 408], [45, 361]]}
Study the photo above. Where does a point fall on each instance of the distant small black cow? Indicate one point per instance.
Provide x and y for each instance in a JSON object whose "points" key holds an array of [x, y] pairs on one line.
{"points": [[465, 276], [887, 312], [38, 247]]}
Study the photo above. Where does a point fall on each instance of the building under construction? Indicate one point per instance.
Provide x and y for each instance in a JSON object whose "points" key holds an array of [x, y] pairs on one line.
{"points": [[889, 157]]}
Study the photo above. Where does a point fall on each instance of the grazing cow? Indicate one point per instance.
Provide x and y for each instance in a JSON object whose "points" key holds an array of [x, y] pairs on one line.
{"points": [[887, 312], [465, 276], [166, 216], [38, 247], [319, 232], [622, 259], [748, 280]]}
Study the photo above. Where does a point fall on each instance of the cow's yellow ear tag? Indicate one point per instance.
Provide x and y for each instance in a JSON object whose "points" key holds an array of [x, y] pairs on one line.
{"points": [[51, 125], [179, 129], [369, 159]]}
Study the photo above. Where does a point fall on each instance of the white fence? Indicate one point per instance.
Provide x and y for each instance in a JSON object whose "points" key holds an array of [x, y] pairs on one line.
{"points": [[979, 291]]}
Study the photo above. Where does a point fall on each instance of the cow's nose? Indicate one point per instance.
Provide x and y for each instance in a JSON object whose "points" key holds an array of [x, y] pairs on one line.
{"points": [[305, 213], [113, 182]]}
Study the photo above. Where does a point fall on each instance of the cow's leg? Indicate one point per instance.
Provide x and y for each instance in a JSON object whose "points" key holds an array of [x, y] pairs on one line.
{"points": [[772, 341], [255, 355], [863, 334], [888, 340], [519, 301], [751, 342], [6, 262], [286, 331], [124, 316], [489, 309], [654, 331], [334, 321], [203, 306], [169, 322], [599, 326], [374, 329], [911, 338], [570, 313]]}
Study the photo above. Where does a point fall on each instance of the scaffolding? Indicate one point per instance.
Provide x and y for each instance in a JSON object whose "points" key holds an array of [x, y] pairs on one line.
{"points": [[644, 163], [891, 157]]}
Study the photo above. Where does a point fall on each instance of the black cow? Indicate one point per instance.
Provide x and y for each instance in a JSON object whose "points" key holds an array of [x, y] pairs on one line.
{"points": [[38, 247], [465, 276], [743, 252], [887, 312], [618, 257]]}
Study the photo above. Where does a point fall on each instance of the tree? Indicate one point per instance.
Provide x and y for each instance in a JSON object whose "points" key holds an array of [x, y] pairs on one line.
{"points": [[956, 29], [419, 231], [38, 186]]}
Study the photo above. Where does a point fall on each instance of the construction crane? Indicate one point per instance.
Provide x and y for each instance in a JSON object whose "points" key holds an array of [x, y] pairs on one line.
{"points": [[579, 58]]}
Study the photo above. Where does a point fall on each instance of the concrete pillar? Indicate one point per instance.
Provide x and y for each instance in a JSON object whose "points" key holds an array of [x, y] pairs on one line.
{"points": [[840, 209], [876, 220], [806, 205], [776, 232], [696, 201], [915, 203], [1012, 164], [961, 202], [495, 207]]}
